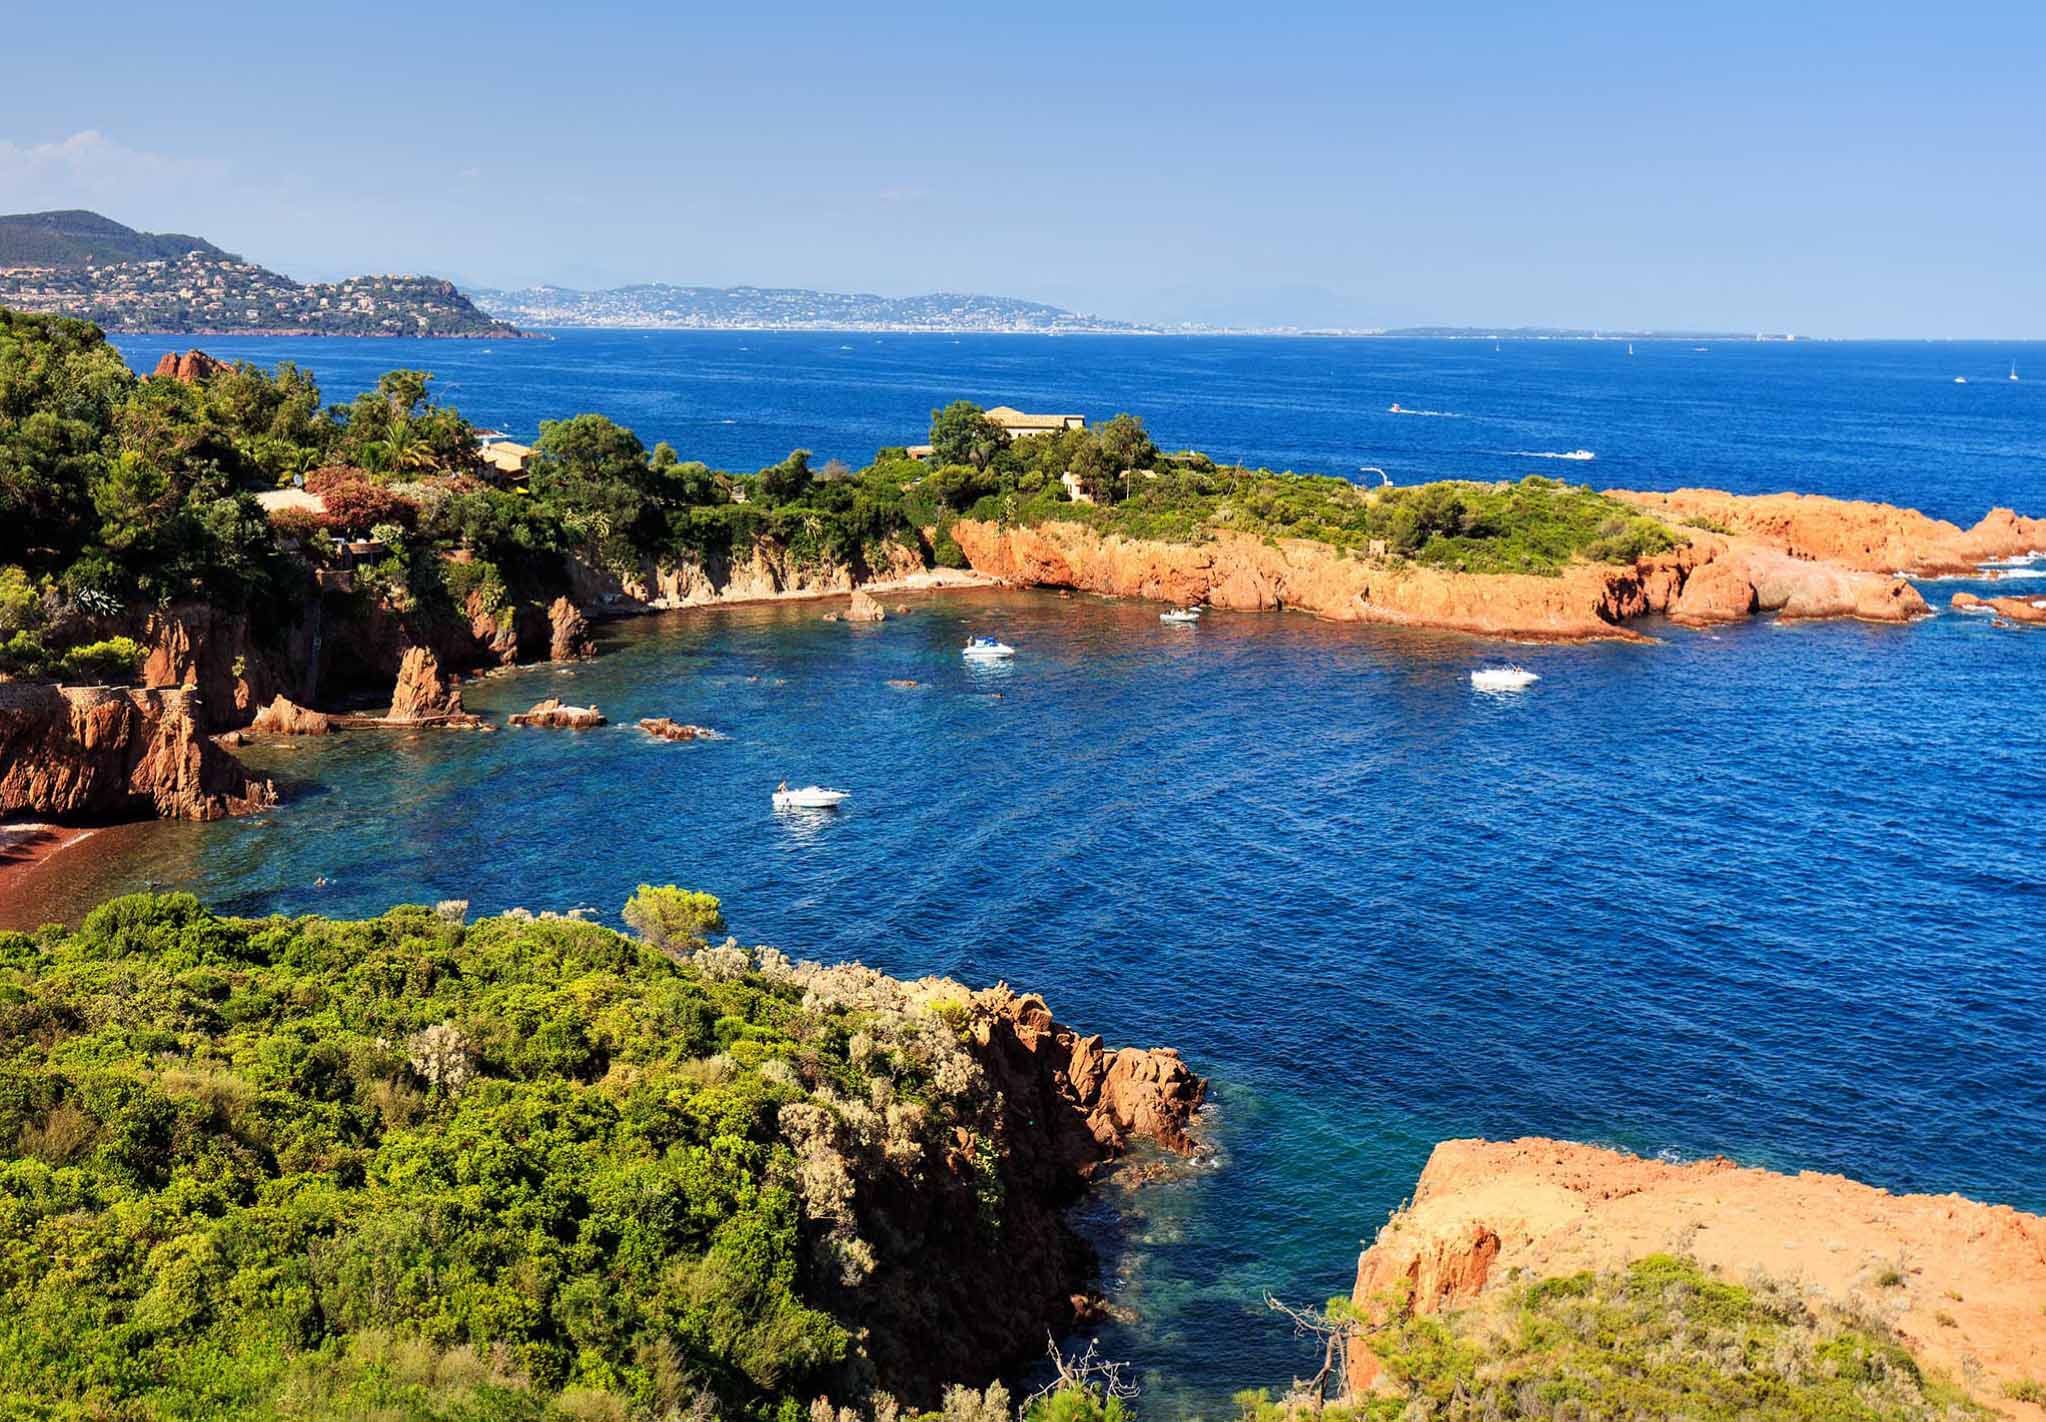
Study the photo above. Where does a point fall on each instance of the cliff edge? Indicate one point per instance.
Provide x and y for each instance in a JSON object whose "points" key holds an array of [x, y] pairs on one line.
{"points": [[1961, 1283], [111, 753]]}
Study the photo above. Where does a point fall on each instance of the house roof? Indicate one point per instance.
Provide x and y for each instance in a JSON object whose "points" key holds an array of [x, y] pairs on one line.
{"points": [[1009, 417], [277, 500], [507, 457]]}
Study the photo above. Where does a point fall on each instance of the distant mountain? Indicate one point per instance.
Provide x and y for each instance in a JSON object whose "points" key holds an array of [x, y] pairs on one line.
{"points": [[76, 238], [753, 308], [84, 265]]}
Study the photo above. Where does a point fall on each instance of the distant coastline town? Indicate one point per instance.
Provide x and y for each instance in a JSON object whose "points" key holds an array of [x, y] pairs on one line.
{"points": [[83, 265]]}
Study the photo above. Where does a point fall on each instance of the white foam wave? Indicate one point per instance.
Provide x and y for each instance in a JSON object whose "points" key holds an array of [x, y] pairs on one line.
{"points": [[1576, 454]]}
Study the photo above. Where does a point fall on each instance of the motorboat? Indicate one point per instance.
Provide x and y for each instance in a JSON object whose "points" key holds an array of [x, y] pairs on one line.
{"points": [[1960, 380], [810, 797], [1181, 614], [986, 649], [1503, 679]]}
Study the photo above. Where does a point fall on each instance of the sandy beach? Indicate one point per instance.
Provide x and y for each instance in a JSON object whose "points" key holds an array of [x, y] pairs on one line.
{"points": [[25, 846]]}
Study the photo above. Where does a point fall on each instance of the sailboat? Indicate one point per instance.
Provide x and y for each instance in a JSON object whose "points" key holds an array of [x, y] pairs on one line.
{"points": [[1630, 348], [2013, 370]]}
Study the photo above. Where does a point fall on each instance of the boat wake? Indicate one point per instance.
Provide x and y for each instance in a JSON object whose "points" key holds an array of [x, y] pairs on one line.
{"points": [[1431, 414], [1576, 454]]}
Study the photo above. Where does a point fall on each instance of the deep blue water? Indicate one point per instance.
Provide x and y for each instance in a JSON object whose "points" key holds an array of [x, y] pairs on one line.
{"points": [[1771, 891], [1868, 420]]}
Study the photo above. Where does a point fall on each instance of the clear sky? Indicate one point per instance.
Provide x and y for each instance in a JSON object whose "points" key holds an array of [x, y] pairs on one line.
{"points": [[1824, 167]]}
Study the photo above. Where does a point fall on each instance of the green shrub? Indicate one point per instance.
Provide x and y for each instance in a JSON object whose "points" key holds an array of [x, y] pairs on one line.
{"points": [[117, 659], [24, 655], [21, 606], [946, 552], [1661, 1339]]}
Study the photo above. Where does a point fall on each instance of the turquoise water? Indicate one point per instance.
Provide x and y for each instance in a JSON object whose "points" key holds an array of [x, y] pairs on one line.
{"points": [[1769, 891]]}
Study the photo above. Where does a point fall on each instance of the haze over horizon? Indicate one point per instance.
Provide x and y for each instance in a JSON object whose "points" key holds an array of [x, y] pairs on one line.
{"points": [[1835, 172]]}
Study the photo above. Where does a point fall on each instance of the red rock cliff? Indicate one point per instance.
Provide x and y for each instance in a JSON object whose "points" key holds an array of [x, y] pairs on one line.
{"points": [[1868, 537], [994, 1263], [1485, 1212], [1716, 578], [96, 753]]}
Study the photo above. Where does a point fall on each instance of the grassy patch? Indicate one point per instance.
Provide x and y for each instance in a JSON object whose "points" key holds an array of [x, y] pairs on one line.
{"points": [[1661, 1339], [1534, 526]]}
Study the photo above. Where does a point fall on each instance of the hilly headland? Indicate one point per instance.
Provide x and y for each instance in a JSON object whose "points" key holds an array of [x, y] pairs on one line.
{"points": [[83, 265]]}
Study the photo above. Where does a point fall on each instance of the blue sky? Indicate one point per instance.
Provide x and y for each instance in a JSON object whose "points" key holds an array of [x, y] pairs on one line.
{"points": [[1829, 168]]}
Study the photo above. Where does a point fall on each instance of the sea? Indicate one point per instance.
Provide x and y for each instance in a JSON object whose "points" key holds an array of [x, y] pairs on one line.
{"points": [[1769, 891]]}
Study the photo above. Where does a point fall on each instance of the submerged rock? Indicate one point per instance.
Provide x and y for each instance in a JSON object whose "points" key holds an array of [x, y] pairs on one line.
{"points": [[553, 715], [2027, 610], [863, 608]]}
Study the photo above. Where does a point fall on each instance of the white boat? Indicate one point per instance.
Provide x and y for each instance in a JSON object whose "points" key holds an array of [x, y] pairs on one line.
{"points": [[1181, 614], [810, 797], [986, 649], [1960, 380], [1503, 679], [2013, 370]]}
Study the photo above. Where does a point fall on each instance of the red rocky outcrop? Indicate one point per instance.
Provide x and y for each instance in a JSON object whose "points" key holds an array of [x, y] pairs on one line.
{"points": [[285, 717], [2028, 610], [989, 1260], [569, 633], [551, 714], [422, 693], [1486, 1214], [672, 730], [100, 753], [1095, 1101], [192, 367]]}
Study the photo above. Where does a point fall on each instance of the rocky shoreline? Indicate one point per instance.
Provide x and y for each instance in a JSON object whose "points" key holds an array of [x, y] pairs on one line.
{"points": [[1798, 556]]}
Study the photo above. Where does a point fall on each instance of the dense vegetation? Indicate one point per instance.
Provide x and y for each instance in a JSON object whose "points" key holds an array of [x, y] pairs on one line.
{"points": [[119, 495], [1138, 491], [1660, 1339], [417, 1168]]}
